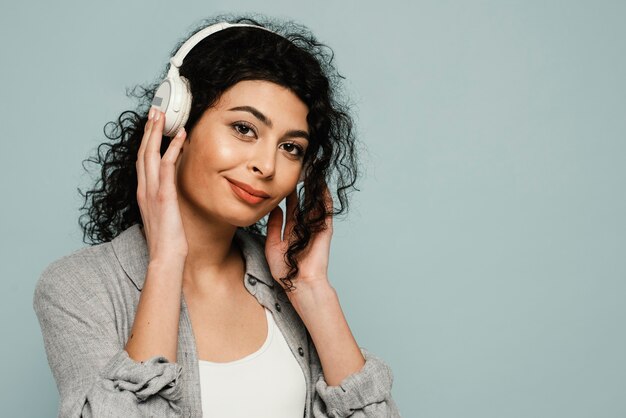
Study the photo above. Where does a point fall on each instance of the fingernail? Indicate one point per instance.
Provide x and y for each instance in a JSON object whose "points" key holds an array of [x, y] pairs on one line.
{"points": [[151, 113], [157, 116]]}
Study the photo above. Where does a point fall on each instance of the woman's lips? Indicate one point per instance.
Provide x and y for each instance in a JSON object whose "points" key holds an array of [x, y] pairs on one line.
{"points": [[244, 195]]}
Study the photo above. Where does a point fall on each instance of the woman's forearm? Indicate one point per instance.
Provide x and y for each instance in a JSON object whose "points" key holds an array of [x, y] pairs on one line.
{"points": [[318, 307], [155, 329]]}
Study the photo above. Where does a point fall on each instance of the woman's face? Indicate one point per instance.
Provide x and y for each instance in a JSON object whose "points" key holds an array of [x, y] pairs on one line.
{"points": [[244, 155]]}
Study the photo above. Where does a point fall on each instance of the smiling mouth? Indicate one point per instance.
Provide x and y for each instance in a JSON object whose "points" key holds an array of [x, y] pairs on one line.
{"points": [[244, 195]]}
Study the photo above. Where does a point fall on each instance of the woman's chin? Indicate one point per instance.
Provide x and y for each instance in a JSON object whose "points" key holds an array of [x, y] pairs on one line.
{"points": [[244, 221]]}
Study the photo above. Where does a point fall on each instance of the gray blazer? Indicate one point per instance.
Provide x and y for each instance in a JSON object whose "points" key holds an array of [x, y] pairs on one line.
{"points": [[86, 304]]}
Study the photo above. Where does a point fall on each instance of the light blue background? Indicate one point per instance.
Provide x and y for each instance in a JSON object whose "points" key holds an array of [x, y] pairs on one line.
{"points": [[485, 258]]}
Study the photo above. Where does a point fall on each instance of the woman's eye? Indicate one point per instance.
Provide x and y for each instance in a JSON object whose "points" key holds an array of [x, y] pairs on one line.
{"points": [[293, 149], [244, 129]]}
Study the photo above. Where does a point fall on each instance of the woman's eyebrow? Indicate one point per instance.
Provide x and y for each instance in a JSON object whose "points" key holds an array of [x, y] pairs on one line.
{"points": [[256, 112], [260, 116]]}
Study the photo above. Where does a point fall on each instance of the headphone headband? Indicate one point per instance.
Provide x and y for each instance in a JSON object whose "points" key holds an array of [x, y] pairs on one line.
{"points": [[177, 59]]}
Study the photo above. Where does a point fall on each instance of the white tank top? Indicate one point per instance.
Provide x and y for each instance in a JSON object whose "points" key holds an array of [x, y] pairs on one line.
{"points": [[268, 383]]}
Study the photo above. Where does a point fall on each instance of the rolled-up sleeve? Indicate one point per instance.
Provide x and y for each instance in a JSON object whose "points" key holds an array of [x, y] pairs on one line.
{"points": [[95, 376], [366, 393]]}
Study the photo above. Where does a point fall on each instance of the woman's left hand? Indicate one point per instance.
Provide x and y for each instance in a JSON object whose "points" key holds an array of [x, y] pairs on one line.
{"points": [[313, 261]]}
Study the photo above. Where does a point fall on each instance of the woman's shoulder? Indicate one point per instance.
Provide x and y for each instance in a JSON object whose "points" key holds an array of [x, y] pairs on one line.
{"points": [[86, 269], [80, 262]]}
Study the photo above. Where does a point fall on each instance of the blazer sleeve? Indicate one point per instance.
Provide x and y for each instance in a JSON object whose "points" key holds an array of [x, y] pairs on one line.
{"points": [[94, 375], [364, 394]]}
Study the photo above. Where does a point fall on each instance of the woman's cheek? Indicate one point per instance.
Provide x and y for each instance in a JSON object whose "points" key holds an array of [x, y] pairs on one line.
{"points": [[227, 150]]}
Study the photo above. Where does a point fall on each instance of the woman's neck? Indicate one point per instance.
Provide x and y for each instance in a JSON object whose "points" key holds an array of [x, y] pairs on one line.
{"points": [[213, 261]]}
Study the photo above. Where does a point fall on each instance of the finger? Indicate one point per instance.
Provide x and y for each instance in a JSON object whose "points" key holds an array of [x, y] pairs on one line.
{"points": [[168, 162], [140, 167], [274, 225], [291, 206], [176, 144], [147, 129], [152, 156], [328, 203]]}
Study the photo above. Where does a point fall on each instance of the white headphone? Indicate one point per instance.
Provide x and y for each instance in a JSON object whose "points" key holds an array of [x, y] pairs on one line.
{"points": [[173, 97]]}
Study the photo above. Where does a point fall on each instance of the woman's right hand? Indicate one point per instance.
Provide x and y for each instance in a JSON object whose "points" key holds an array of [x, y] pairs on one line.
{"points": [[156, 191]]}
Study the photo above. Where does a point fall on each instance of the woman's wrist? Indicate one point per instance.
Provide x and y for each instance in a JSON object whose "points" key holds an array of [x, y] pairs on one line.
{"points": [[170, 268], [309, 295]]}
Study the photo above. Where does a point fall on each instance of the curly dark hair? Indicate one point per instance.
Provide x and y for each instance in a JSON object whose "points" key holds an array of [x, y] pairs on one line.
{"points": [[291, 57]]}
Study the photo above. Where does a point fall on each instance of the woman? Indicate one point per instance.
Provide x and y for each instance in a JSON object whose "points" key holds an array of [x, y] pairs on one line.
{"points": [[184, 307]]}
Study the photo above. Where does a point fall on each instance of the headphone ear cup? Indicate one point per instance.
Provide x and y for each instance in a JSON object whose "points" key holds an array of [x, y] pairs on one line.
{"points": [[183, 115], [177, 111]]}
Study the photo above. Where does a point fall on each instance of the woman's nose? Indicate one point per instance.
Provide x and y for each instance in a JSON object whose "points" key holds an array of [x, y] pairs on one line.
{"points": [[263, 161]]}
